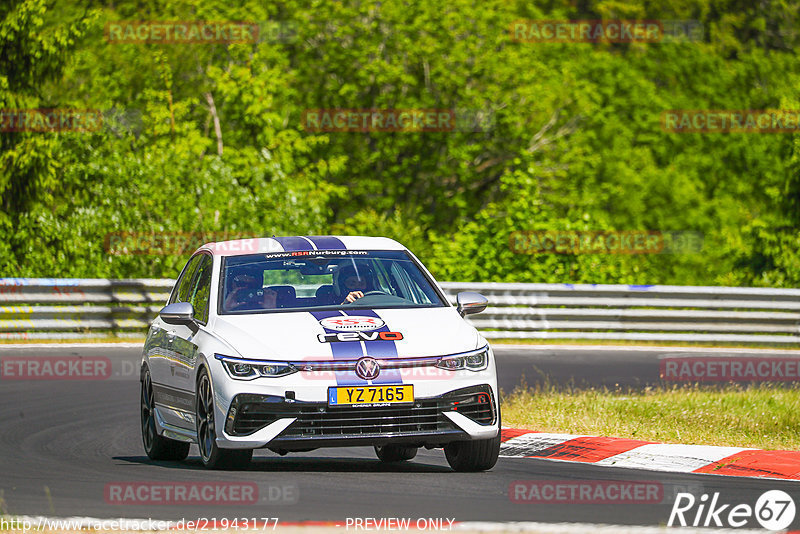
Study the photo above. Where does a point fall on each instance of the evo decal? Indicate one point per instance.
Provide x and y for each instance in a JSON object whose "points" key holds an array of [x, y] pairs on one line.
{"points": [[359, 336]]}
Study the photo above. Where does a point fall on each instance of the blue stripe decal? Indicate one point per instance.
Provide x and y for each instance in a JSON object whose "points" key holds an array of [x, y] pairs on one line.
{"points": [[292, 244], [327, 242], [342, 350], [381, 349]]}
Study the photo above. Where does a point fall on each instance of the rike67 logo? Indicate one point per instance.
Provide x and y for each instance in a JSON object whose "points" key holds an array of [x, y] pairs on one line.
{"points": [[774, 510]]}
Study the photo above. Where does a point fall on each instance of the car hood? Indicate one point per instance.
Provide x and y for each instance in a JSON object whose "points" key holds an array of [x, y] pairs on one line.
{"points": [[294, 335]]}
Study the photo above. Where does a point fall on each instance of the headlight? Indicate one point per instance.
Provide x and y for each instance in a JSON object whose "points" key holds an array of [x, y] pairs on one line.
{"points": [[476, 361], [251, 369]]}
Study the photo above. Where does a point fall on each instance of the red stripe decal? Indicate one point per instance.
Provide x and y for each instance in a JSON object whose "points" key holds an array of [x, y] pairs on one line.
{"points": [[589, 449], [757, 463]]}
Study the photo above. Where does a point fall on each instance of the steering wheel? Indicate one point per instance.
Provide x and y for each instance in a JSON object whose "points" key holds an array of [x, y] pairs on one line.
{"points": [[375, 292]]}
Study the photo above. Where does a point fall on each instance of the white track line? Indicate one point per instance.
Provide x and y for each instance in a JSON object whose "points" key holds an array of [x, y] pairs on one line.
{"points": [[670, 457]]}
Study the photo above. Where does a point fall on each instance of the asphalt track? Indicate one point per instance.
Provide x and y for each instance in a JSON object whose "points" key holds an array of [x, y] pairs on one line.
{"points": [[64, 442]]}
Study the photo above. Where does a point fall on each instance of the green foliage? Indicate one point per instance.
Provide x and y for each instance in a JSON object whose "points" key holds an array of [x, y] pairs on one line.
{"points": [[208, 138]]}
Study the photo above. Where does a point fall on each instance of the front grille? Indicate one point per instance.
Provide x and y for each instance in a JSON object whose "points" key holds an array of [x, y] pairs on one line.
{"points": [[250, 413], [424, 416]]}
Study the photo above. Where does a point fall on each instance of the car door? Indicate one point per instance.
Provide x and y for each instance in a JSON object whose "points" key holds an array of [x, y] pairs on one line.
{"points": [[172, 355], [199, 297], [183, 337]]}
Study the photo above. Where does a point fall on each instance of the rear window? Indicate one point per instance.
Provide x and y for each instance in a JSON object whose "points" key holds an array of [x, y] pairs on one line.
{"points": [[331, 280]]}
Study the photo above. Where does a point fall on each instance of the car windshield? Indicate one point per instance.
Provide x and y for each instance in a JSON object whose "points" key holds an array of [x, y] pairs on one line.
{"points": [[324, 280]]}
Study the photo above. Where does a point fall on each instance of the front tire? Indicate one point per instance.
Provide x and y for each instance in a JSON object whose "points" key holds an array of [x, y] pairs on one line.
{"points": [[157, 447], [477, 455], [395, 453], [212, 456], [471, 456]]}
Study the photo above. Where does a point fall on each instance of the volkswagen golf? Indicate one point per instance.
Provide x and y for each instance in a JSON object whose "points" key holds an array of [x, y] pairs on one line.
{"points": [[297, 343]]}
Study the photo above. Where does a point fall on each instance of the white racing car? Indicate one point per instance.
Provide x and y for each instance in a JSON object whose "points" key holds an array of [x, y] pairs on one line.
{"points": [[295, 343]]}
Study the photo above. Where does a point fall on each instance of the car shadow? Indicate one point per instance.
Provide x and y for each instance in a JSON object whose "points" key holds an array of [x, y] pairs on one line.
{"points": [[301, 464]]}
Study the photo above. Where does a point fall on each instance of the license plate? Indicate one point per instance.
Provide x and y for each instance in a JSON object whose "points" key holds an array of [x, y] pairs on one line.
{"points": [[370, 395]]}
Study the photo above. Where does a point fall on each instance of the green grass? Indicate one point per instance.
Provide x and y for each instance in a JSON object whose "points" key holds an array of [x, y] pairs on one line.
{"points": [[761, 417]]}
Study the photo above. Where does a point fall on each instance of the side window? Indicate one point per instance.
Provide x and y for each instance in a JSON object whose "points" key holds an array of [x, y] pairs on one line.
{"points": [[201, 290], [181, 291]]}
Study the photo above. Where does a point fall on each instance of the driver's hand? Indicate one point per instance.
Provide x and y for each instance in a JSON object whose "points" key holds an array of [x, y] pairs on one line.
{"points": [[353, 296], [232, 300]]}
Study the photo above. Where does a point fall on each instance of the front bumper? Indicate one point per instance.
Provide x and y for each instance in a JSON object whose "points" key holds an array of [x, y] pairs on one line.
{"points": [[256, 420]]}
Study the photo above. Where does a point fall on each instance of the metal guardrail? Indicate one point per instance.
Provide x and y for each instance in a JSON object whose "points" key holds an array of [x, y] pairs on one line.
{"points": [[66, 308], [73, 308], [637, 313]]}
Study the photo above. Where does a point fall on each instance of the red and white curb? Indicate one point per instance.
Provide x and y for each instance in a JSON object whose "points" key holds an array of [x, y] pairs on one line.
{"points": [[637, 454]]}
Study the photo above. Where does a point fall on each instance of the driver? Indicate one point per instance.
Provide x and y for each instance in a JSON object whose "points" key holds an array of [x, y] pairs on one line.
{"points": [[247, 294], [353, 280]]}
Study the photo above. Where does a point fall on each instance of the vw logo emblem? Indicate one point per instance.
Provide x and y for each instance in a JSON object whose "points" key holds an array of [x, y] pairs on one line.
{"points": [[368, 368]]}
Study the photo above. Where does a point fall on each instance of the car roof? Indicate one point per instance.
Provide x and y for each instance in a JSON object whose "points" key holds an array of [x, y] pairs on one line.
{"points": [[255, 245]]}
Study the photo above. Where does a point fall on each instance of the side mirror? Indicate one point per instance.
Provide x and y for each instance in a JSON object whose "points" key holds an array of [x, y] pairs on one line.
{"points": [[470, 302], [178, 313]]}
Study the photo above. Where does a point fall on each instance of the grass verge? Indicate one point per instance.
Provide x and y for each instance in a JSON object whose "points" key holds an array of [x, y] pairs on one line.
{"points": [[764, 417]]}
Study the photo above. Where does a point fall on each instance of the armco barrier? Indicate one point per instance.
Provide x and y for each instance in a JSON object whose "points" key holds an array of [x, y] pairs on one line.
{"points": [[74, 308], [64, 308], [637, 313]]}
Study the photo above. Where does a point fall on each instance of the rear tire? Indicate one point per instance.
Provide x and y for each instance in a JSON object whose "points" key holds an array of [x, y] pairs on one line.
{"points": [[212, 456], [157, 447], [395, 453]]}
